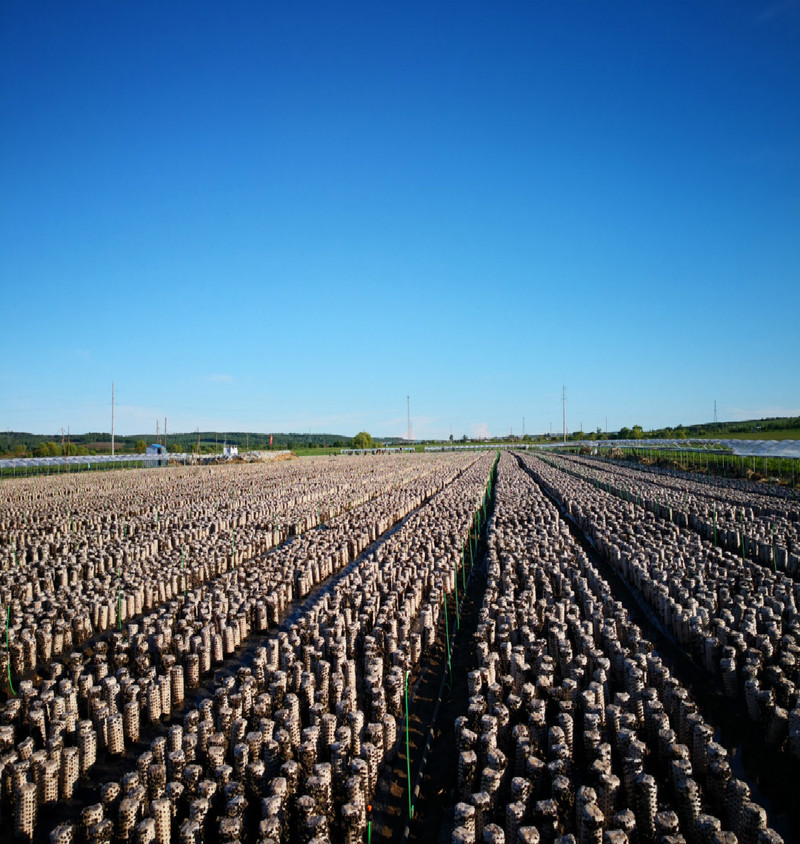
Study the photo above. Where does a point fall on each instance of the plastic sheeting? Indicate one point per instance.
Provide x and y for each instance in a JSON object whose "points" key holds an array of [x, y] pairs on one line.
{"points": [[88, 460], [764, 448], [741, 448]]}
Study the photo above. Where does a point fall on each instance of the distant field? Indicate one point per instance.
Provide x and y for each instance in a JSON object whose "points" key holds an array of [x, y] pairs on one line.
{"points": [[789, 434]]}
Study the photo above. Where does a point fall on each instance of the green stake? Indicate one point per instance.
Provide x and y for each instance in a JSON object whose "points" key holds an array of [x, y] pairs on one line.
{"points": [[715, 528], [447, 636], [8, 650], [408, 756], [774, 560], [458, 616], [742, 533]]}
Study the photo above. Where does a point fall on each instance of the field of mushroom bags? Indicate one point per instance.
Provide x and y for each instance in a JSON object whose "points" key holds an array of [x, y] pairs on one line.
{"points": [[575, 725], [259, 652], [200, 653]]}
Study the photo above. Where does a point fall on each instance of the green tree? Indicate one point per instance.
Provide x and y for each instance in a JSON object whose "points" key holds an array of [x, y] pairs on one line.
{"points": [[637, 433], [362, 440], [141, 446]]}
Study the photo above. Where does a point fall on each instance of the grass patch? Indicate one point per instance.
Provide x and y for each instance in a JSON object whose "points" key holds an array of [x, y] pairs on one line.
{"points": [[785, 434]]}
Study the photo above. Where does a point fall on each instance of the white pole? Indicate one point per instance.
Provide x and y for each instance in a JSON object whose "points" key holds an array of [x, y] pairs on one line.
{"points": [[112, 418]]}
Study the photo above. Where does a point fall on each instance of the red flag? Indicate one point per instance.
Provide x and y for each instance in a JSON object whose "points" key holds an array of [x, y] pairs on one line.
{"points": [[270, 439]]}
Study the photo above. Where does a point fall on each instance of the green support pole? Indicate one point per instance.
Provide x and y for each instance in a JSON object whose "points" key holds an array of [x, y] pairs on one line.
{"points": [[715, 528], [447, 637], [455, 592], [774, 559], [742, 533], [8, 650], [408, 757]]}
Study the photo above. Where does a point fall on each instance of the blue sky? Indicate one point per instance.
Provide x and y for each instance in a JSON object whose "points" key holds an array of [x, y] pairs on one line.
{"points": [[273, 217]]}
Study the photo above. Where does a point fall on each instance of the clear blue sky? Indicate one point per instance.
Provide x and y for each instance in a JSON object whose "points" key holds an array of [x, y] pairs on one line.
{"points": [[289, 216]]}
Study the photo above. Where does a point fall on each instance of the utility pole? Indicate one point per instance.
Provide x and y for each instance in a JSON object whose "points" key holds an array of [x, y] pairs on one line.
{"points": [[165, 433], [198, 442], [158, 433], [112, 418], [408, 403], [715, 413], [564, 409], [523, 427]]}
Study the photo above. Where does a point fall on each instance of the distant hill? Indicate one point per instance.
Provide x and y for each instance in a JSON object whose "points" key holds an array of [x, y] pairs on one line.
{"points": [[21, 444], [773, 428], [778, 427]]}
